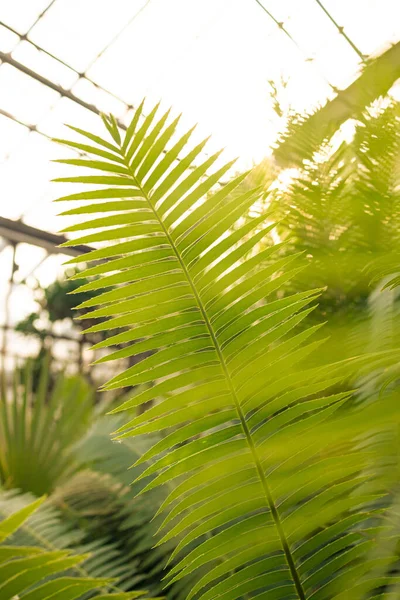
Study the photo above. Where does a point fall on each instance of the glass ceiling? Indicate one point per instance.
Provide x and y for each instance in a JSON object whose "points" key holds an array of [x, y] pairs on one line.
{"points": [[212, 60]]}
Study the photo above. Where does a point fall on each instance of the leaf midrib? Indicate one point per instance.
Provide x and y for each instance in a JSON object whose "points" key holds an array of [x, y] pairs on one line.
{"points": [[249, 440]]}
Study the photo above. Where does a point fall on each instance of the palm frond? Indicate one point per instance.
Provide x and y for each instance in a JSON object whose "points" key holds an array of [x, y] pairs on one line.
{"points": [[42, 573], [262, 452], [96, 504], [110, 507]]}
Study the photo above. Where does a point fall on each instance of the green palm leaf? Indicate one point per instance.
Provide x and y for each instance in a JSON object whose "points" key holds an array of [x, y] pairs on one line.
{"points": [[111, 505], [249, 427], [42, 574]]}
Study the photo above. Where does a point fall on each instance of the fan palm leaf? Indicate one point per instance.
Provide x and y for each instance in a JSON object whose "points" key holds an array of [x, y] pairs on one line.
{"points": [[251, 432], [37, 429]]}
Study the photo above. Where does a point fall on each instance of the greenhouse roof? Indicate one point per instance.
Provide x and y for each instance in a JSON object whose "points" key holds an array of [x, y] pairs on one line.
{"points": [[216, 61]]}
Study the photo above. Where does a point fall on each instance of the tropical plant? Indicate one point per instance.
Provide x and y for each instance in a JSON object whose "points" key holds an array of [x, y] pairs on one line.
{"points": [[56, 527], [54, 304], [38, 428], [104, 502], [87, 475], [263, 451], [39, 573], [55, 311], [343, 205], [377, 141], [342, 210], [94, 505]]}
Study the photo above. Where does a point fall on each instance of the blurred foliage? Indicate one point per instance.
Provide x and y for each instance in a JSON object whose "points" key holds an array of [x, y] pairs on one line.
{"points": [[39, 559], [342, 210], [305, 133], [56, 303], [56, 306], [111, 504], [59, 301], [38, 425], [53, 441]]}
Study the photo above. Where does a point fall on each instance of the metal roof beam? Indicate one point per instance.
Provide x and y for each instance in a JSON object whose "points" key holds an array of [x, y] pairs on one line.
{"points": [[7, 58], [17, 232]]}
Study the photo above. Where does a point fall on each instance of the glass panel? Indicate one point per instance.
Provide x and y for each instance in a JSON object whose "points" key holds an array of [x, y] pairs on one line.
{"points": [[45, 65], [21, 14], [8, 39], [24, 176], [23, 96], [93, 95], [77, 31], [11, 136]]}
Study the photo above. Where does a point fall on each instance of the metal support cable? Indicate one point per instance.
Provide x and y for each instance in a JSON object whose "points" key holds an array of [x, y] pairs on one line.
{"points": [[81, 75], [28, 126], [342, 32], [32, 128], [25, 37], [31, 272], [282, 27], [67, 93], [64, 64], [117, 35], [40, 16], [7, 58], [280, 24]]}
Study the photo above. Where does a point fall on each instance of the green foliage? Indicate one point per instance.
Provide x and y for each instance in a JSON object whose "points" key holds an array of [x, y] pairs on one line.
{"points": [[98, 511], [44, 572], [57, 299], [305, 134], [102, 503], [38, 427], [94, 504], [55, 304], [342, 207], [263, 451], [342, 210]]}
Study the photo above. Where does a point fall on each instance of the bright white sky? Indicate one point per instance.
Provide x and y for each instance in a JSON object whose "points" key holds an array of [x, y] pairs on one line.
{"points": [[209, 59]]}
